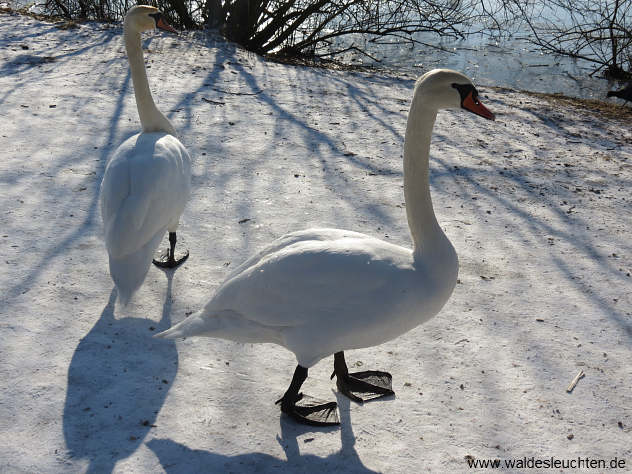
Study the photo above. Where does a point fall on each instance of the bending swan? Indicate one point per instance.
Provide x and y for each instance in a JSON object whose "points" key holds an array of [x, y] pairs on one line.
{"points": [[147, 182], [321, 291]]}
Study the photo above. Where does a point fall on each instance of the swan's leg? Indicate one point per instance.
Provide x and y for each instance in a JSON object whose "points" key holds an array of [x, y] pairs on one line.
{"points": [[310, 411], [171, 261], [370, 384]]}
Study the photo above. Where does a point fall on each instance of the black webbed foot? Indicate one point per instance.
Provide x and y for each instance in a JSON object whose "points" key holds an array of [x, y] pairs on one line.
{"points": [[361, 386], [309, 411], [168, 259]]}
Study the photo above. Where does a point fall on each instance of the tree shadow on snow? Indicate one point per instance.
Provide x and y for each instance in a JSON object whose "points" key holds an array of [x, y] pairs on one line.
{"points": [[178, 458], [118, 380], [62, 242]]}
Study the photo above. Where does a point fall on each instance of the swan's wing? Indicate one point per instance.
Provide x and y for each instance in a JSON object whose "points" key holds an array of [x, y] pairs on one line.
{"points": [[307, 279], [115, 188], [287, 240], [145, 187]]}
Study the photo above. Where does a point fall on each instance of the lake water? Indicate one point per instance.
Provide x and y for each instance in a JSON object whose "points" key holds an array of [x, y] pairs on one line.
{"points": [[515, 63]]}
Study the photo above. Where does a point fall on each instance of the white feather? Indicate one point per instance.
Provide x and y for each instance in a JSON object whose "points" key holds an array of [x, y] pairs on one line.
{"points": [[145, 188]]}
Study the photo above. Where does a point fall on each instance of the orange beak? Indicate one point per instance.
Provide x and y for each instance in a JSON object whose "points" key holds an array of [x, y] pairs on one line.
{"points": [[163, 25], [477, 107]]}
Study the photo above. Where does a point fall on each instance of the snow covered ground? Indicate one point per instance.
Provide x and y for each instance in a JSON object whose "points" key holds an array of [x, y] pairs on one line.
{"points": [[537, 204]]}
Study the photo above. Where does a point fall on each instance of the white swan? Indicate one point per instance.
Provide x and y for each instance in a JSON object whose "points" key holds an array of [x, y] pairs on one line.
{"points": [[321, 291], [147, 181]]}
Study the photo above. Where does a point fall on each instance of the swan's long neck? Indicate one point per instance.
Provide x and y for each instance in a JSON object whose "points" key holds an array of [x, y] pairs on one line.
{"points": [[428, 237], [151, 119]]}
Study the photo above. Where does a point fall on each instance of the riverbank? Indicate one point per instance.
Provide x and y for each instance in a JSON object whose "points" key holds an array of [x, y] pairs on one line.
{"points": [[537, 205]]}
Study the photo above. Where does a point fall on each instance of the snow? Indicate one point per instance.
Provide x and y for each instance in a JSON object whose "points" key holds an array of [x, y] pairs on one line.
{"points": [[537, 205]]}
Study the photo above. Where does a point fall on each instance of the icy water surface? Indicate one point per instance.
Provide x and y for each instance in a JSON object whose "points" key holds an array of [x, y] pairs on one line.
{"points": [[513, 63]]}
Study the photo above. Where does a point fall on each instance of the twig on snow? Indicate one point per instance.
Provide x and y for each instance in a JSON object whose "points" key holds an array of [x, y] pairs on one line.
{"points": [[236, 93], [213, 101], [579, 376]]}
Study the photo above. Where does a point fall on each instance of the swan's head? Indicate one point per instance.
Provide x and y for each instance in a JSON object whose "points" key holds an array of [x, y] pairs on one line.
{"points": [[444, 89], [144, 17]]}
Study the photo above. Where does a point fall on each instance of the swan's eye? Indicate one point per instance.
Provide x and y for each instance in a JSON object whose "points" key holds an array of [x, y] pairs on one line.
{"points": [[465, 91]]}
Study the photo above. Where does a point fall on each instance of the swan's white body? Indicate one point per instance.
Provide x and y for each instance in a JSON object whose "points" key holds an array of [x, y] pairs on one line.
{"points": [[147, 181], [321, 291], [144, 190]]}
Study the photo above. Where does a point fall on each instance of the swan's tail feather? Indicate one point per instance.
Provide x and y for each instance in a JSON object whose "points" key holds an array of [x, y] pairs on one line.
{"points": [[125, 294], [129, 272], [224, 324], [128, 275], [194, 325], [170, 333]]}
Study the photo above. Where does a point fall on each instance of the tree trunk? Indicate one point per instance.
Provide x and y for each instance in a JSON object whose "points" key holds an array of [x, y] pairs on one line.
{"points": [[183, 13], [213, 14]]}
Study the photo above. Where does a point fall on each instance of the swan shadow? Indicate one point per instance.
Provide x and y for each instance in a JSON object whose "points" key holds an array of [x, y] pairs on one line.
{"points": [[177, 458], [118, 380]]}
